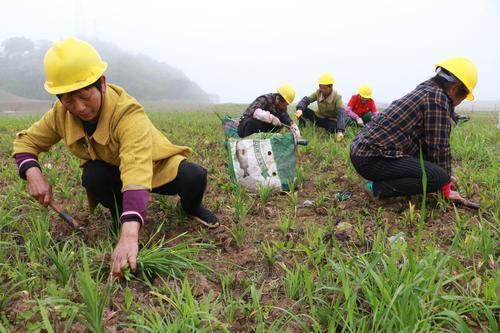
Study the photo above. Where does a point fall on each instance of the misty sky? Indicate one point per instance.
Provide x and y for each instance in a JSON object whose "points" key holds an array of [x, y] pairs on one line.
{"points": [[241, 49]]}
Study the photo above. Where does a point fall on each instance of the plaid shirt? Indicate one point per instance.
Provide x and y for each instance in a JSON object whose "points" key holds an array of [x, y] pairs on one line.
{"points": [[266, 103], [422, 117]]}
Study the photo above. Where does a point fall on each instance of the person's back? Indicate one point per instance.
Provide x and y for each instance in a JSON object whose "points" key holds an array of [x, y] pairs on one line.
{"points": [[387, 150], [401, 128]]}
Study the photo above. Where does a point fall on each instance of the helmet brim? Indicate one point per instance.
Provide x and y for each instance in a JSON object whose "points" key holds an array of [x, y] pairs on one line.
{"points": [[59, 90]]}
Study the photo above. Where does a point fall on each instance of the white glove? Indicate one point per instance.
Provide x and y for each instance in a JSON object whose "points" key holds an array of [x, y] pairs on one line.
{"points": [[340, 136], [360, 122], [275, 121], [296, 132]]}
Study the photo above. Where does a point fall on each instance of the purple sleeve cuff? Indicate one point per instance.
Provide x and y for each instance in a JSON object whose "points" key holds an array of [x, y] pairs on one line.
{"points": [[135, 204], [24, 161]]}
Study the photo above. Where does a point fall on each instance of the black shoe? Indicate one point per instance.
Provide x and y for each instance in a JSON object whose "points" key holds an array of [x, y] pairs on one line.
{"points": [[205, 217]]}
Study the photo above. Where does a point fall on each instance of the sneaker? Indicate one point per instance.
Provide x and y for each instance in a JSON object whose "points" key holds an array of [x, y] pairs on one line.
{"points": [[205, 217], [369, 191], [391, 203]]}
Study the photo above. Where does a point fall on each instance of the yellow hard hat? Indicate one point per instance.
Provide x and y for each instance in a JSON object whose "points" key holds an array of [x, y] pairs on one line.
{"points": [[326, 78], [464, 70], [287, 92], [365, 91], [71, 65]]}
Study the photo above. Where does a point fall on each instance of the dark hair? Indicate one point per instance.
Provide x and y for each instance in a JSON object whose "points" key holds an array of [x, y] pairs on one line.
{"points": [[282, 100], [443, 82], [96, 84]]}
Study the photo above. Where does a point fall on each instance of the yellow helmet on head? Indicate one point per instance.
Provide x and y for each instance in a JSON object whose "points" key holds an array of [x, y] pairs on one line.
{"points": [[287, 92], [464, 70], [326, 79], [365, 91], [71, 65]]}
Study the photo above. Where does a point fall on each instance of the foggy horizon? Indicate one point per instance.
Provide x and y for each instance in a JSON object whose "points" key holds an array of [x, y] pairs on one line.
{"points": [[239, 51]]}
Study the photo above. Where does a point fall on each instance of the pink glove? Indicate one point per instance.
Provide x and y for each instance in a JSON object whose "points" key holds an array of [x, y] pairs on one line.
{"points": [[263, 115]]}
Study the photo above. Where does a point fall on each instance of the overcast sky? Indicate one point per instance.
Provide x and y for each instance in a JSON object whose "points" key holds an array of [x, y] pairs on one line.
{"points": [[241, 49]]}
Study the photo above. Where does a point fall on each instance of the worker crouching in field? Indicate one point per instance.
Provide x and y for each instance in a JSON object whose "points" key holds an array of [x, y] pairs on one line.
{"points": [[330, 114], [124, 156], [268, 113], [361, 107], [386, 151]]}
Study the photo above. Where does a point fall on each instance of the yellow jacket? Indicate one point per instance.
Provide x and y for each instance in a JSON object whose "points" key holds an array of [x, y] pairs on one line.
{"points": [[125, 137]]}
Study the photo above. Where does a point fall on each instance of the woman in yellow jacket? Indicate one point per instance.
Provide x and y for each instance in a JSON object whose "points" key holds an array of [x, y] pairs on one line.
{"points": [[124, 156]]}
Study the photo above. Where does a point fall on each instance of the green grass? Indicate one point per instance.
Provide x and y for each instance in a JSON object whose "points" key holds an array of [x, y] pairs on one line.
{"points": [[285, 271], [158, 259]]}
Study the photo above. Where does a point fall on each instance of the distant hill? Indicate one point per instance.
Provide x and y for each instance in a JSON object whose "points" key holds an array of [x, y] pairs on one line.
{"points": [[21, 72], [10, 103], [7, 97]]}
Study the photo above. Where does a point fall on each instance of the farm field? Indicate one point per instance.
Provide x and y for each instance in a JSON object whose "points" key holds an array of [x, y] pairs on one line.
{"points": [[277, 264]]}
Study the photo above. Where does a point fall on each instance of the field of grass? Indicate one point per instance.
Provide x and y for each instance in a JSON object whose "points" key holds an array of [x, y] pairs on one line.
{"points": [[350, 266]]}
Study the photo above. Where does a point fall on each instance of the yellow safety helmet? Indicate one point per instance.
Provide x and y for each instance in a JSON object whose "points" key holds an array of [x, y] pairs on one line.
{"points": [[326, 78], [365, 91], [464, 70], [287, 92], [71, 65]]}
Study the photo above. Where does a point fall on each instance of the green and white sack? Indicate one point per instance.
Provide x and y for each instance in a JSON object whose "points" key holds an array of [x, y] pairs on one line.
{"points": [[263, 159]]}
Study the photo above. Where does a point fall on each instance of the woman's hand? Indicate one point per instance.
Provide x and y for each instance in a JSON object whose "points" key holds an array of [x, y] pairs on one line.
{"points": [[39, 187], [125, 253], [455, 197]]}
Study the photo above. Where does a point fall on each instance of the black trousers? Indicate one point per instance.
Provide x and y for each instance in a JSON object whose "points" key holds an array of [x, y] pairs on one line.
{"points": [[103, 182], [329, 124], [250, 126], [399, 176]]}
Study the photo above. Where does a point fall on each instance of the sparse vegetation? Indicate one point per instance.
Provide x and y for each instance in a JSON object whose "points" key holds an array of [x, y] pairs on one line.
{"points": [[331, 266]]}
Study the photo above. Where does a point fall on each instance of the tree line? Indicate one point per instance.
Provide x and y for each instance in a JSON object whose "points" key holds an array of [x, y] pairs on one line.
{"points": [[21, 72]]}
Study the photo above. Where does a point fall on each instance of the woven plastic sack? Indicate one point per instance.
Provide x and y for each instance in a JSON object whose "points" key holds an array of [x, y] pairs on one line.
{"points": [[262, 159]]}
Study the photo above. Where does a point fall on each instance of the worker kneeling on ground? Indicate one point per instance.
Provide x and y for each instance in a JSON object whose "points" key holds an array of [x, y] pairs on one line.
{"points": [[268, 113], [361, 107], [124, 156], [386, 151], [330, 114]]}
